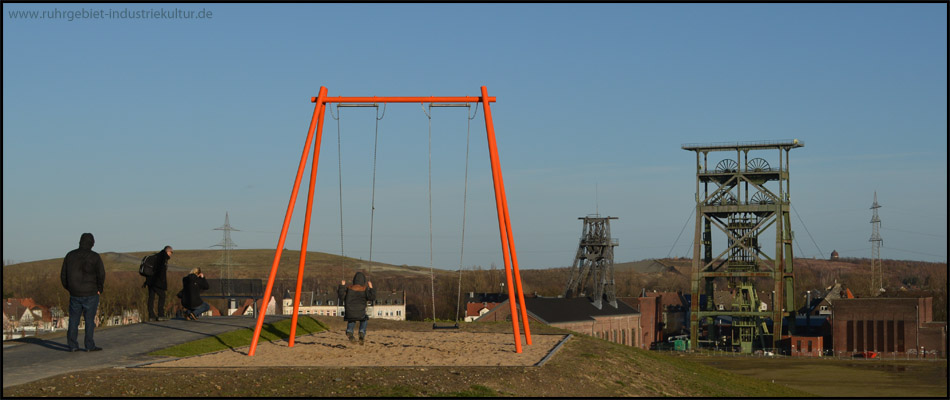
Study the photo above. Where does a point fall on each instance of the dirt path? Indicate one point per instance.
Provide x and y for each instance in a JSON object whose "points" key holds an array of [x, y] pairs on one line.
{"points": [[383, 348]]}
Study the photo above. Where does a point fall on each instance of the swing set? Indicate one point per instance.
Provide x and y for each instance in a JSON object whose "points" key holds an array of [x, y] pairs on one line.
{"points": [[510, 257]]}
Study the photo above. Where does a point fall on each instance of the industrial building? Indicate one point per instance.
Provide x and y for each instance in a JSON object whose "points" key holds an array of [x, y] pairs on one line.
{"points": [[888, 326]]}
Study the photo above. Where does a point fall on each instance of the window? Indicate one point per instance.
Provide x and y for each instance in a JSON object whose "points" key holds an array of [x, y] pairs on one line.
{"points": [[860, 332], [809, 346], [398, 312], [890, 336], [849, 336], [330, 303], [798, 347], [880, 336], [900, 336]]}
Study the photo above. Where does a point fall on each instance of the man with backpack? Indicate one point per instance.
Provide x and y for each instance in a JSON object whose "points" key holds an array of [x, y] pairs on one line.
{"points": [[157, 283]]}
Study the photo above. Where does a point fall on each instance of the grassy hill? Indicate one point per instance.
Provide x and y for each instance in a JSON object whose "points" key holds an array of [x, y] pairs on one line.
{"points": [[253, 263], [584, 367], [323, 271]]}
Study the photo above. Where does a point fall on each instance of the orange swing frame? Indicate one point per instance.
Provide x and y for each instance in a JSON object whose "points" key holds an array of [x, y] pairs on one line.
{"points": [[501, 203]]}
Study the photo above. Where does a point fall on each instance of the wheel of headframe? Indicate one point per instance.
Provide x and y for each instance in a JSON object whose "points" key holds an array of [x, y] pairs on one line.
{"points": [[724, 198], [428, 114], [727, 165], [758, 165], [762, 198], [339, 148]]}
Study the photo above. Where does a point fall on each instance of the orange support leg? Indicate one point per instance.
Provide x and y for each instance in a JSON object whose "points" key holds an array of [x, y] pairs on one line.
{"points": [[317, 114], [514, 264], [502, 226], [306, 224]]}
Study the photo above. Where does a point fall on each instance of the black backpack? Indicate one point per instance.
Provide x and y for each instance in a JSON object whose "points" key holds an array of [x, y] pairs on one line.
{"points": [[147, 267]]}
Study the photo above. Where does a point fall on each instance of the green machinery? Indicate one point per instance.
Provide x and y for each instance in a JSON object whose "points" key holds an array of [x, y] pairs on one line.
{"points": [[744, 198]]}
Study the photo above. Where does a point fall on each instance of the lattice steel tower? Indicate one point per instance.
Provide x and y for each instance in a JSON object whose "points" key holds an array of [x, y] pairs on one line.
{"points": [[877, 272], [592, 273], [743, 198], [227, 244]]}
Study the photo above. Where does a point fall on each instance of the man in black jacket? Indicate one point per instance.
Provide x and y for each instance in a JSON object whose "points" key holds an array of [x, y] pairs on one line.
{"points": [[157, 284], [83, 275], [355, 298], [193, 284]]}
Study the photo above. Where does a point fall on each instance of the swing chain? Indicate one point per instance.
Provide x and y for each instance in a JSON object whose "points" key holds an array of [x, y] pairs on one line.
{"points": [[468, 132], [339, 149], [431, 271], [372, 212]]}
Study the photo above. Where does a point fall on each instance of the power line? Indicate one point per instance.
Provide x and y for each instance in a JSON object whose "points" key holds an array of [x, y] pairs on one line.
{"points": [[820, 253], [693, 210], [915, 233]]}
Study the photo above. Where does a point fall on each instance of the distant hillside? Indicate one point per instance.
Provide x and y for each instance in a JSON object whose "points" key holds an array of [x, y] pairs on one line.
{"points": [[40, 279], [253, 263]]}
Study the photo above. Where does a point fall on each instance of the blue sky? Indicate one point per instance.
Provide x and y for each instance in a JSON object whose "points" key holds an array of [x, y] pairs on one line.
{"points": [[146, 131]]}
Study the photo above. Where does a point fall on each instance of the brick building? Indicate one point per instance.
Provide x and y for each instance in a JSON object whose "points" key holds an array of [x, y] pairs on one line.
{"points": [[662, 314], [892, 326], [618, 325]]}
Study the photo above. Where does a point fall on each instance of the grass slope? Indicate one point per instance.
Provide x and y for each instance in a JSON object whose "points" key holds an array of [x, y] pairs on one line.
{"points": [[584, 367], [241, 338]]}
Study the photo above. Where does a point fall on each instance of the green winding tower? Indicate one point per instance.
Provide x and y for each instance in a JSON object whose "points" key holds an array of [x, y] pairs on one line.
{"points": [[740, 198]]}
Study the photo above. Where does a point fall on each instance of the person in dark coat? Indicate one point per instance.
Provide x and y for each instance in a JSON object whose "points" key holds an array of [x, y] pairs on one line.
{"points": [[83, 275], [193, 284], [355, 298], [157, 285]]}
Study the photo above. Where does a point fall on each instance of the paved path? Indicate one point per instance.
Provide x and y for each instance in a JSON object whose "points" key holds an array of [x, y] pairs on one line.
{"points": [[123, 346]]}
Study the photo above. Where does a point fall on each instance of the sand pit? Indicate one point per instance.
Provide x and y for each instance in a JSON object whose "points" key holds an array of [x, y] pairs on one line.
{"points": [[382, 348]]}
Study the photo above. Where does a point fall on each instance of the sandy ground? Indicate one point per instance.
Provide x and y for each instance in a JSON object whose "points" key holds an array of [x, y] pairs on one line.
{"points": [[383, 348]]}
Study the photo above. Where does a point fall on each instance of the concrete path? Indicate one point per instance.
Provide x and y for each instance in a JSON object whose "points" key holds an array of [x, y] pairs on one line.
{"points": [[123, 346]]}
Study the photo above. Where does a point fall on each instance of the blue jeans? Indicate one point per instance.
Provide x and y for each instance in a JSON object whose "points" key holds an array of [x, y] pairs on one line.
{"points": [[85, 306], [352, 324], [200, 309]]}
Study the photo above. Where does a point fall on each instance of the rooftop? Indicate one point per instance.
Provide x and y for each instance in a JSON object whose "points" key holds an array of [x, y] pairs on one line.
{"points": [[759, 144]]}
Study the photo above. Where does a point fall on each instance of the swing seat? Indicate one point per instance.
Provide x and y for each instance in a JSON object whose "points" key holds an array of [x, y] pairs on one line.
{"points": [[436, 326]]}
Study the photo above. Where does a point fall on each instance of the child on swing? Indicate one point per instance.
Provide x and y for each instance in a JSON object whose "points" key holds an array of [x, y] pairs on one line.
{"points": [[355, 297]]}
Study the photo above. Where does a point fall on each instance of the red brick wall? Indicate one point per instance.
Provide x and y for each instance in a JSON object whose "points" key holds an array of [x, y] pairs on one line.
{"points": [[876, 326], [623, 329], [799, 345]]}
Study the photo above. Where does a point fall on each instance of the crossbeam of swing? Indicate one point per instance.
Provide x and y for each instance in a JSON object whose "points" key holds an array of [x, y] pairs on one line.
{"points": [[431, 99]]}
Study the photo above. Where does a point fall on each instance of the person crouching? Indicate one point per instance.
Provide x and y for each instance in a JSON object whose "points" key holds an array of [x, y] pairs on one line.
{"points": [[193, 284], [355, 298]]}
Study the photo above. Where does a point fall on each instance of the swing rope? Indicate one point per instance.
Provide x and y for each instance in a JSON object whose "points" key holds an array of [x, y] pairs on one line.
{"points": [[458, 303], [431, 270], [372, 214], [468, 132], [339, 152]]}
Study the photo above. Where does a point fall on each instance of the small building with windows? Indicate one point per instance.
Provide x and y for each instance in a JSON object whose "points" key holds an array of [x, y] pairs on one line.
{"points": [[313, 303], [388, 304]]}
